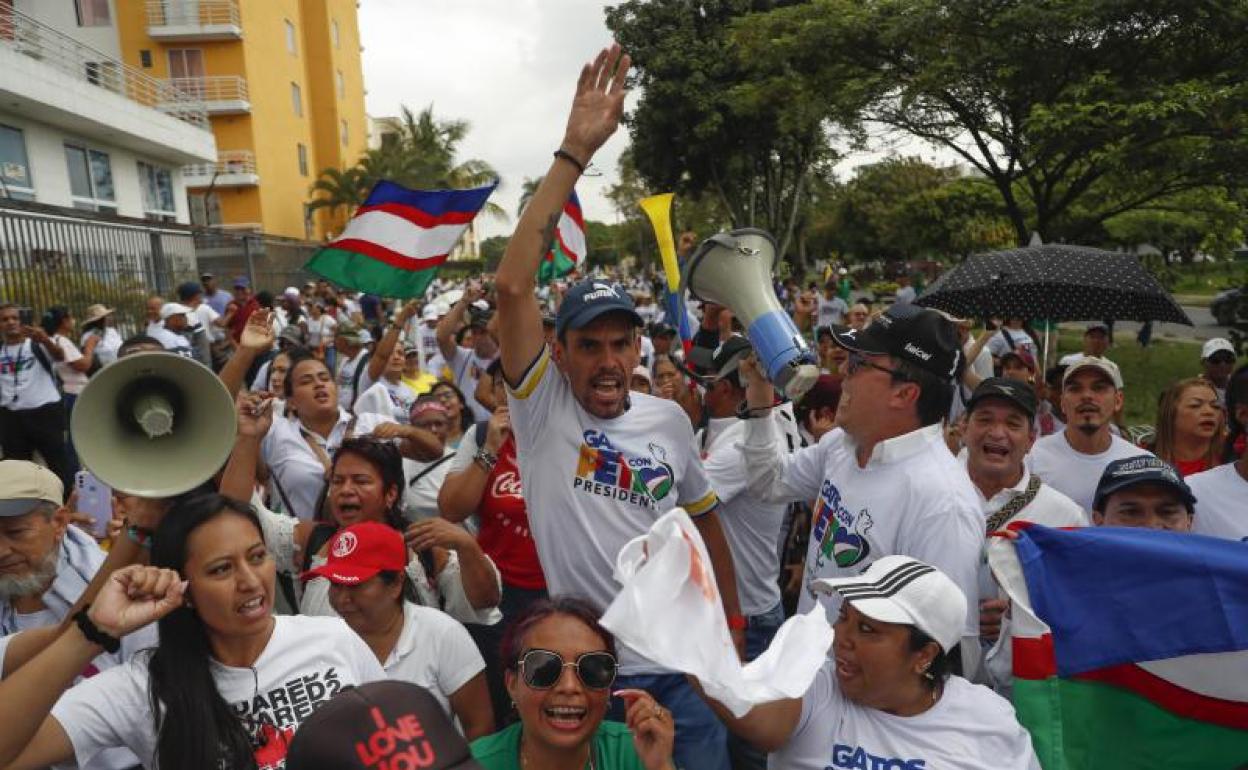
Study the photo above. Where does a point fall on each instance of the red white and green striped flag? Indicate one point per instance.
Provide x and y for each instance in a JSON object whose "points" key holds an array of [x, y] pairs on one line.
{"points": [[1130, 647], [396, 241], [567, 250]]}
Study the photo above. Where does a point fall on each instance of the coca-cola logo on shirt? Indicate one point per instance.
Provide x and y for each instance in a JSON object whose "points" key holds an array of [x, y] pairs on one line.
{"points": [[506, 484]]}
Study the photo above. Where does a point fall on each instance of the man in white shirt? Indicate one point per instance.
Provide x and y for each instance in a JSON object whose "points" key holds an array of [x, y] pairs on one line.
{"points": [[203, 323], [600, 464], [832, 308], [352, 344], [1222, 499], [905, 292], [32, 417], [1011, 336], [1000, 430], [884, 481], [173, 322], [468, 364], [1072, 461]]}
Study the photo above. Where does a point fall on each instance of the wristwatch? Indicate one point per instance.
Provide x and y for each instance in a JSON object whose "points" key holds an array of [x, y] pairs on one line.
{"points": [[485, 459]]}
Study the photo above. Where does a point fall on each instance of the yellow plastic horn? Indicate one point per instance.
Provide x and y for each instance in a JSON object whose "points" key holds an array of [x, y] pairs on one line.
{"points": [[659, 209]]}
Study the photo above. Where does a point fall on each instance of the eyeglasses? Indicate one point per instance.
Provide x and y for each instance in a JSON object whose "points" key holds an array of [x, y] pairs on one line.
{"points": [[856, 361], [541, 669]]}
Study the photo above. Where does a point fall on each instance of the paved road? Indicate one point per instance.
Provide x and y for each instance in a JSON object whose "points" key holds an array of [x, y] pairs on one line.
{"points": [[1204, 328]]}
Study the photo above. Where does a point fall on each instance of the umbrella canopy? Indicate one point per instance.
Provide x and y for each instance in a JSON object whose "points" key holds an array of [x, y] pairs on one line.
{"points": [[1053, 282]]}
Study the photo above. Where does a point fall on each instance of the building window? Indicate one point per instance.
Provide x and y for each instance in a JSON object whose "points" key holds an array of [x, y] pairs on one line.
{"points": [[345, 135], [92, 13], [90, 179], [333, 28], [15, 178], [145, 59], [157, 186], [296, 98], [342, 86], [290, 38], [303, 160], [205, 209]]}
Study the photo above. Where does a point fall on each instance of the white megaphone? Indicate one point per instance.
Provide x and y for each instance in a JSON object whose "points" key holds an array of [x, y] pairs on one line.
{"points": [[734, 269], [154, 424]]}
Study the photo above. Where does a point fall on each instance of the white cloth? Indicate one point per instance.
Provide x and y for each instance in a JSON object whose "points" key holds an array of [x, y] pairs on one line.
{"points": [[424, 481], [753, 527], [24, 382], [393, 400], [346, 378], [427, 339], [904, 295], [434, 652], [591, 485], [321, 330], [998, 346], [669, 609], [72, 380], [106, 349], [297, 468], [647, 351], [174, 343], [206, 317], [1221, 502], [831, 311], [969, 728], [911, 499], [287, 683], [466, 369], [1074, 473]]}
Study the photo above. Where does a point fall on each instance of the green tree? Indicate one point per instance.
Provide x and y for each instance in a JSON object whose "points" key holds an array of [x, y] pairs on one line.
{"points": [[1076, 111], [492, 251], [527, 190], [1209, 221]]}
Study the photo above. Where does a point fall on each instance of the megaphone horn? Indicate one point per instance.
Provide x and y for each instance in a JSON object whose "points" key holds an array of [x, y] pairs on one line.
{"points": [[153, 424], [735, 269]]}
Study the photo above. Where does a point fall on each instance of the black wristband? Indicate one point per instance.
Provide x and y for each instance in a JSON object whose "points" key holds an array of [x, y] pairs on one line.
{"points": [[744, 412], [569, 157], [92, 632]]}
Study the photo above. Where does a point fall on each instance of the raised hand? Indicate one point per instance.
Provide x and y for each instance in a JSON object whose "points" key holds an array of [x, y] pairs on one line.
{"points": [[258, 333], [653, 729], [135, 596], [254, 412], [598, 105], [497, 430]]}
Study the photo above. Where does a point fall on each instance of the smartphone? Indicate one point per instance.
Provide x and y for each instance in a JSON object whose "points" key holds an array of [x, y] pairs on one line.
{"points": [[95, 498]]}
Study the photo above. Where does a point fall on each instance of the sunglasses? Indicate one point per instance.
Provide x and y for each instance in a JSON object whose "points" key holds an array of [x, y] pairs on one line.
{"points": [[856, 362], [541, 669]]}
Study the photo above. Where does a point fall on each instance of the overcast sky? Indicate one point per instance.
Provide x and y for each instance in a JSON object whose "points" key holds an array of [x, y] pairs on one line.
{"points": [[509, 68]]}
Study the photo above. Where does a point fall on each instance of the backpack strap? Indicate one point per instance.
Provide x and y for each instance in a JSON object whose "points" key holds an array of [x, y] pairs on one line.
{"points": [[321, 534], [429, 468], [41, 356]]}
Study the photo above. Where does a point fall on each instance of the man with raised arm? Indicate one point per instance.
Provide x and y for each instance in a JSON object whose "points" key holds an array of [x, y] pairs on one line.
{"points": [[600, 465]]}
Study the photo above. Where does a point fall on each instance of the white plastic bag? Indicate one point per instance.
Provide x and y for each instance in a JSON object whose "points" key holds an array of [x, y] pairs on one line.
{"points": [[669, 611]]}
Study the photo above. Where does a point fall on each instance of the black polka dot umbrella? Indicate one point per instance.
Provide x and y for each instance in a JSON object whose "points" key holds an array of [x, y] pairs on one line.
{"points": [[1054, 282]]}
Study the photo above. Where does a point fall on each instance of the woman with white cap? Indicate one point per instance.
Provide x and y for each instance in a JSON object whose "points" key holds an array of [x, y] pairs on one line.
{"points": [[886, 698]]}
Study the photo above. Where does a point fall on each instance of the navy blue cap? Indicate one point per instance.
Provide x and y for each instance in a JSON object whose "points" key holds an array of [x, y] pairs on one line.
{"points": [[589, 299], [1145, 469], [188, 290]]}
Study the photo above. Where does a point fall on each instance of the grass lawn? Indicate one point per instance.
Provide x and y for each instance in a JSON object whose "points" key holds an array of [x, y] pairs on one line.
{"points": [[1207, 278], [1146, 372]]}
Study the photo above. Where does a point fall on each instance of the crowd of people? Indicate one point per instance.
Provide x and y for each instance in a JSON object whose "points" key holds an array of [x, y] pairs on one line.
{"points": [[433, 493]]}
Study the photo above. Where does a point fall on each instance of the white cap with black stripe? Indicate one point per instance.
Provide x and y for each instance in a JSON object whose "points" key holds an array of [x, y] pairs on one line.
{"points": [[899, 589]]}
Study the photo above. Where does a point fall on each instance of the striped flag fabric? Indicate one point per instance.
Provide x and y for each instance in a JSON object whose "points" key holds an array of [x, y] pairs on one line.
{"points": [[1130, 647], [396, 241], [568, 248]]}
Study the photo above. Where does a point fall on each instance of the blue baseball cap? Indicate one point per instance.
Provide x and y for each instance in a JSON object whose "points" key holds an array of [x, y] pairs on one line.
{"points": [[242, 281], [1145, 469], [590, 299]]}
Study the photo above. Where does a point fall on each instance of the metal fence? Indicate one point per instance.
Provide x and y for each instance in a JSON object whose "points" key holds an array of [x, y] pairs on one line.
{"points": [[55, 256], [270, 262]]}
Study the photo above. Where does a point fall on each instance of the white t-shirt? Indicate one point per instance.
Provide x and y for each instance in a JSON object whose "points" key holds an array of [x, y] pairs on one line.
{"points": [[24, 382], [1073, 473], [346, 377], [435, 652], [591, 485], [969, 728], [297, 467], [912, 499], [466, 369], [423, 482], [427, 339], [174, 343], [206, 317], [320, 330], [391, 399], [289, 681], [998, 346], [106, 349], [753, 527], [1221, 502], [831, 311], [72, 380]]}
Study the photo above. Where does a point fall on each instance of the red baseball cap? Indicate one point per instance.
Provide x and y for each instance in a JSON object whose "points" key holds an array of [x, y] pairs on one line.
{"points": [[359, 552]]}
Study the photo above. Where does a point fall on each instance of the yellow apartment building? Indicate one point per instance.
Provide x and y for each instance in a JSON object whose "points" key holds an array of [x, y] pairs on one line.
{"points": [[283, 85]]}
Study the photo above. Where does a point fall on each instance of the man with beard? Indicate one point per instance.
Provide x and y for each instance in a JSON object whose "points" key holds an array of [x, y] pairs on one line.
{"points": [[600, 465], [1072, 461]]}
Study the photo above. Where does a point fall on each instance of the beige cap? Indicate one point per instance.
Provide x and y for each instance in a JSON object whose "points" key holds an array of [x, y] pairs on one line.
{"points": [[24, 484], [1109, 368]]}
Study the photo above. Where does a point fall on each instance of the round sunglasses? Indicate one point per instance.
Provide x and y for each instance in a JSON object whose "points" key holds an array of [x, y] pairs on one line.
{"points": [[541, 669]]}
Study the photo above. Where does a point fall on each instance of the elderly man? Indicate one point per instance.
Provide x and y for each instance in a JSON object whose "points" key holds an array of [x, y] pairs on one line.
{"points": [[600, 464], [45, 567], [1072, 460]]}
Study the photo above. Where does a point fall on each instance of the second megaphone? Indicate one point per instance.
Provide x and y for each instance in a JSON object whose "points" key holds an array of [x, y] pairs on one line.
{"points": [[735, 269], [154, 425]]}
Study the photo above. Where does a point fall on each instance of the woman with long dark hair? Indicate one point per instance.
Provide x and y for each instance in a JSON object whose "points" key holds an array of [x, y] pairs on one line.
{"points": [[460, 421], [228, 683]]}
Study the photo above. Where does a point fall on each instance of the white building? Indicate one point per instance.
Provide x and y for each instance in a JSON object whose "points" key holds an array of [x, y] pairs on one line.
{"points": [[80, 129]]}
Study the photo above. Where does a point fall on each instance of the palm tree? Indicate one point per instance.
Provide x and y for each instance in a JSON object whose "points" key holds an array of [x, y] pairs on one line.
{"points": [[527, 191], [339, 188]]}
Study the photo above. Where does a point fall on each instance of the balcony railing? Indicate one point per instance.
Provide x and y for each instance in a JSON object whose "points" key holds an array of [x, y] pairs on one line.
{"points": [[219, 94], [233, 167], [31, 38], [193, 18]]}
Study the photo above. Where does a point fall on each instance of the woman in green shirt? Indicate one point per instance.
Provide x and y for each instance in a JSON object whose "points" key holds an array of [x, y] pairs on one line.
{"points": [[561, 711]]}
